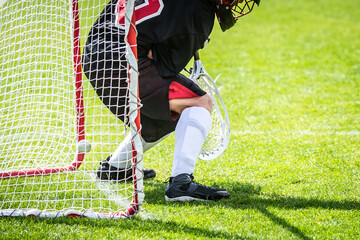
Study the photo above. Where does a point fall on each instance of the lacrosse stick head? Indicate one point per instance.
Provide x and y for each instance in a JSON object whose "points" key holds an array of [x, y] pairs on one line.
{"points": [[219, 134]]}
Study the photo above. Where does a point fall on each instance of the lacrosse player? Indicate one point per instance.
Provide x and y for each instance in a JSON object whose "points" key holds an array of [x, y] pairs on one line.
{"points": [[169, 34]]}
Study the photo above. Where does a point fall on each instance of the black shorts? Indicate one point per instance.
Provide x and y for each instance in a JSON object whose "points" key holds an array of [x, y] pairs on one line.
{"points": [[156, 118]]}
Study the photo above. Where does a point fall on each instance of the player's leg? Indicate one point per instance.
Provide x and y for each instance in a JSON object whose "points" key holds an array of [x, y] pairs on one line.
{"points": [[117, 167], [190, 133], [102, 66], [178, 104], [121, 158]]}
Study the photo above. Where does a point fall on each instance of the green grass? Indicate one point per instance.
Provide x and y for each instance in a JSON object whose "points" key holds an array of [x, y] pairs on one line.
{"points": [[291, 77]]}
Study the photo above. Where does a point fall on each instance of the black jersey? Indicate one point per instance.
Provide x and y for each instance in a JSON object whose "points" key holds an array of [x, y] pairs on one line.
{"points": [[173, 29]]}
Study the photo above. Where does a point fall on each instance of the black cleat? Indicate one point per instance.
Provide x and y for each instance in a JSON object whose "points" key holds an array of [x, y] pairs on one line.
{"points": [[106, 172], [182, 188]]}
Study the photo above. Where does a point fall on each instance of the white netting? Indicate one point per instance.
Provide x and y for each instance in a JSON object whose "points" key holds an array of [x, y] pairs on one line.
{"points": [[39, 112]]}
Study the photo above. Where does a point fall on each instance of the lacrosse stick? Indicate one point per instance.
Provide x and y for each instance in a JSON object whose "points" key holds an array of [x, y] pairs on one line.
{"points": [[219, 134]]}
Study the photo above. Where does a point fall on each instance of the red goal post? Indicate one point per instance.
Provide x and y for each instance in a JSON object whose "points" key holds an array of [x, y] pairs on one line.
{"points": [[46, 108]]}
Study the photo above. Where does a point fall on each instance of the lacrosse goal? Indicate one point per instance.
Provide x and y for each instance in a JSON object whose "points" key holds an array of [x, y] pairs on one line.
{"points": [[48, 106]]}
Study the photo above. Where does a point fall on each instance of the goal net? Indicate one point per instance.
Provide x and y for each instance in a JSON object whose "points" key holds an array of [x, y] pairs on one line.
{"points": [[48, 105]]}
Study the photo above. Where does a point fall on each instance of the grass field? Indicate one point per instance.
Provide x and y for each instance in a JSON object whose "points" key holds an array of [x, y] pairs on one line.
{"points": [[291, 77]]}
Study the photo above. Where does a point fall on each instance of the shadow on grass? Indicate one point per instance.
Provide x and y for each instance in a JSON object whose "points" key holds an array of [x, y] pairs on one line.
{"points": [[245, 196], [152, 228]]}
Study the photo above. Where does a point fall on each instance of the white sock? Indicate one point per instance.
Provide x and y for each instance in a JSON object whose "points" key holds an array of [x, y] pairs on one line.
{"points": [[190, 133], [122, 156]]}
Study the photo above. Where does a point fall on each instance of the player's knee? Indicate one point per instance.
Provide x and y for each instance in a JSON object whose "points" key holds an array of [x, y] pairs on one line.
{"points": [[207, 102]]}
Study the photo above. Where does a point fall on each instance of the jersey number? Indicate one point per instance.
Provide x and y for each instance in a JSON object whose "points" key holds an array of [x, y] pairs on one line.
{"points": [[144, 10]]}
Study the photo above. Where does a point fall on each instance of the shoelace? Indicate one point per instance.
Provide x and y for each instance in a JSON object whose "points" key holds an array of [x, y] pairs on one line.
{"points": [[169, 180]]}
